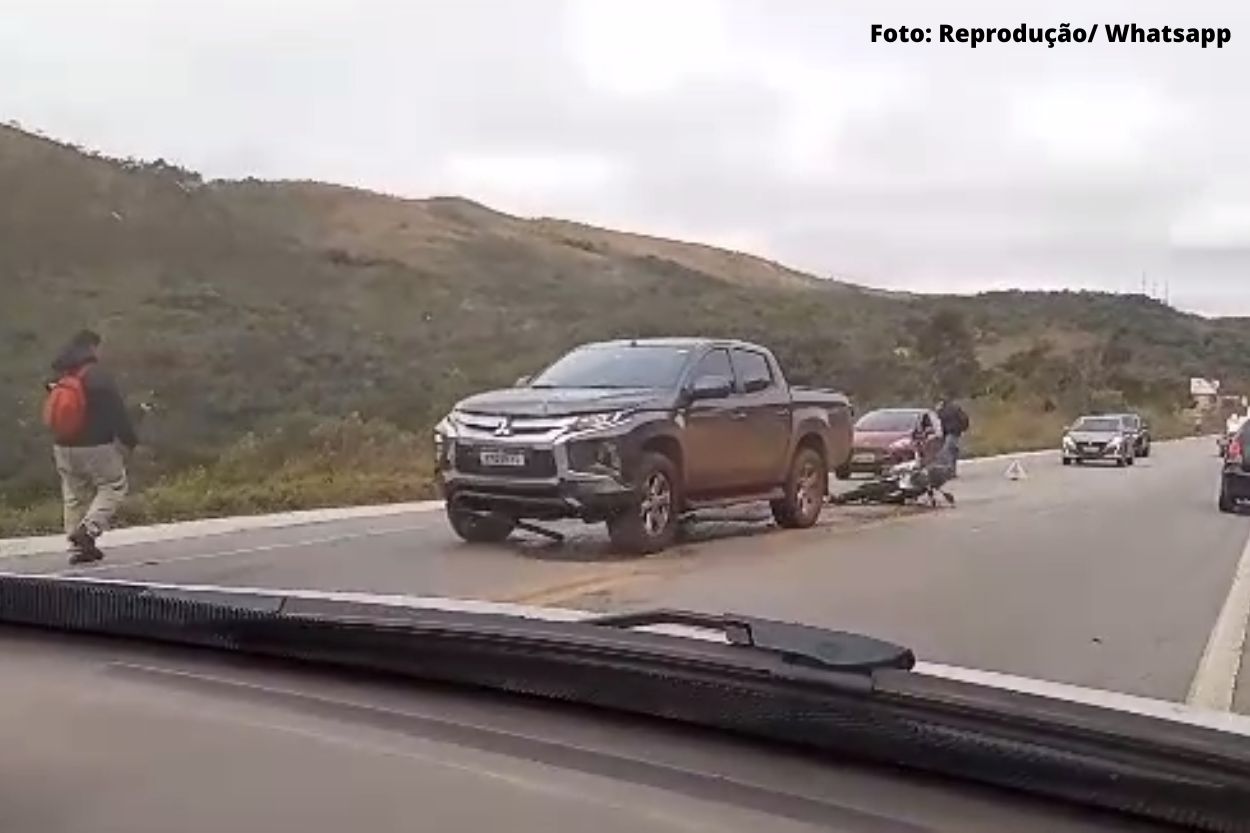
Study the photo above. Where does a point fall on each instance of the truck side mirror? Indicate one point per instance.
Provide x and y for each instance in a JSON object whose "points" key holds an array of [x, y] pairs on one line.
{"points": [[711, 387], [755, 385]]}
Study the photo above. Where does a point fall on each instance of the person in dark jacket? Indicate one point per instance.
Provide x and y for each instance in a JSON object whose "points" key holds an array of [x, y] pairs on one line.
{"points": [[955, 423], [92, 466]]}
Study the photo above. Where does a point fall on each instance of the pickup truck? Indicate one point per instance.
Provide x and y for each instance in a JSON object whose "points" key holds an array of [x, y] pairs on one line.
{"points": [[636, 434]]}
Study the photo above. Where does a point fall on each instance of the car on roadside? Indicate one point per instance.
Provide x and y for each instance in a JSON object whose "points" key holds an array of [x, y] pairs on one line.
{"points": [[637, 433], [1099, 437], [887, 436], [1235, 474], [1139, 430]]}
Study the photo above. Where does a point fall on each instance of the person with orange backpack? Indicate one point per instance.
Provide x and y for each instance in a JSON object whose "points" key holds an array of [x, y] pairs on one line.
{"points": [[87, 416]]}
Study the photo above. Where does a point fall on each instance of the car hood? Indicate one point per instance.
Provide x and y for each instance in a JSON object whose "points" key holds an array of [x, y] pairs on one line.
{"points": [[1093, 436], [879, 439], [564, 401]]}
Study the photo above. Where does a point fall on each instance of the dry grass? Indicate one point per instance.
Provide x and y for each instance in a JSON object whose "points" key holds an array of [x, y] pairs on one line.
{"points": [[306, 464]]}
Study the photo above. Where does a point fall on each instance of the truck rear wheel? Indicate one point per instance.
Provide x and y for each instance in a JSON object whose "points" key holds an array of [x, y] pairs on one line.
{"points": [[806, 487], [479, 528], [1227, 504], [651, 523]]}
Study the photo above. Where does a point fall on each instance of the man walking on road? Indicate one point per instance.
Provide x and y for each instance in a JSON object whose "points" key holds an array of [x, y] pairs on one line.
{"points": [[90, 426], [954, 423]]}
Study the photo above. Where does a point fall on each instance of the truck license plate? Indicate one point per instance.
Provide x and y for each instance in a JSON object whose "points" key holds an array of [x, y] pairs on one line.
{"points": [[864, 457], [497, 458]]}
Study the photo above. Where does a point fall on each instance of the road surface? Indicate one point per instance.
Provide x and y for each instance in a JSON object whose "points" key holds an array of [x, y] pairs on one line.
{"points": [[1103, 577]]}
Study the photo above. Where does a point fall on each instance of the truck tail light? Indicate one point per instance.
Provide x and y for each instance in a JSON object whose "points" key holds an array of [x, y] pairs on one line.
{"points": [[1235, 449]]}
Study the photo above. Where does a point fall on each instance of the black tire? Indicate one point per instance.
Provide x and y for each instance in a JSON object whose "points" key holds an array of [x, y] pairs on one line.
{"points": [[651, 524], [1145, 452], [1067, 461], [807, 485], [478, 528], [843, 472], [1079, 461], [1120, 462], [1227, 504], [1131, 460]]}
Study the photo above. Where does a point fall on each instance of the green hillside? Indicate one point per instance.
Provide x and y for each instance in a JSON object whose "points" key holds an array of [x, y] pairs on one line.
{"points": [[295, 341]]}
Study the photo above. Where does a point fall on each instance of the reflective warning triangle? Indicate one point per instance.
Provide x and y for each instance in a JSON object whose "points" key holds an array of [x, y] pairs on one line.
{"points": [[1016, 471]]}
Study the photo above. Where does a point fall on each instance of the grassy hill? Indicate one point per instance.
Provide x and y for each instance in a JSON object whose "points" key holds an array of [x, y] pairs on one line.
{"points": [[297, 340]]}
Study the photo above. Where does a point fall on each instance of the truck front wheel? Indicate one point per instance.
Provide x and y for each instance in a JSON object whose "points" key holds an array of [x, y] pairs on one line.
{"points": [[651, 523], [479, 528], [806, 486]]}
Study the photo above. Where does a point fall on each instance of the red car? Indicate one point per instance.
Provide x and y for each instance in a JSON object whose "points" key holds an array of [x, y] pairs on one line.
{"points": [[886, 436]]}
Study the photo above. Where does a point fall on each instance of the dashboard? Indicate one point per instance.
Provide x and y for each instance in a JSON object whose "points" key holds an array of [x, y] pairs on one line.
{"points": [[112, 735]]}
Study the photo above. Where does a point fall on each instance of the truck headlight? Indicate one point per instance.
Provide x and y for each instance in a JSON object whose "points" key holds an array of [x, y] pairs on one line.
{"points": [[1068, 442], [595, 422], [1115, 443], [447, 425]]}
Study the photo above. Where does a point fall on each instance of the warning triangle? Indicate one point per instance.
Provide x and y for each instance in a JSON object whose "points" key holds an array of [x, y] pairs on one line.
{"points": [[1016, 471]]}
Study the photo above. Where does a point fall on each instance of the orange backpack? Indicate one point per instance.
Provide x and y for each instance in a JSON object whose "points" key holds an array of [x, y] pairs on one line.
{"points": [[65, 409]]}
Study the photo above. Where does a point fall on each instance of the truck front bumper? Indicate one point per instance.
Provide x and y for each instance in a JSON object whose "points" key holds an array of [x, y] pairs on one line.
{"points": [[592, 498], [558, 475]]}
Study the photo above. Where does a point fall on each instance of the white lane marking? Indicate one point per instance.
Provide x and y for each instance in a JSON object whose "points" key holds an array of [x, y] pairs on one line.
{"points": [[203, 556], [205, 527], [1215, 682]]}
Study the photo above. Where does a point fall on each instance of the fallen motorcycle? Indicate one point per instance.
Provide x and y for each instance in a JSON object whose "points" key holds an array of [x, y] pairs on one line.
{"points": [[913, 480]]}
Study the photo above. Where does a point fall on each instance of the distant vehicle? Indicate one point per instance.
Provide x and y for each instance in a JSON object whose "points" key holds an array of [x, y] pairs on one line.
{"points": [[1235, 423], [1099, 437], [636, 433], [1235, 477], [1140, 431], [886, 437]]}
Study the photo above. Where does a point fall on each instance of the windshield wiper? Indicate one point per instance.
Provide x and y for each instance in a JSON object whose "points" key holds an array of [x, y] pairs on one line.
{"points": [[802, 644]]}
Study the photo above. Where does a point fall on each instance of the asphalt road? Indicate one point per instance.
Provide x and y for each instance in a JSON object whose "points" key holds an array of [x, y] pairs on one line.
{"points": [[1104, 577]]}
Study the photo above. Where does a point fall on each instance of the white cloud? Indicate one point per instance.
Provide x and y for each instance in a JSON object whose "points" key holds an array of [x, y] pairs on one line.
{"points": [[787, 134], [646, 47]]}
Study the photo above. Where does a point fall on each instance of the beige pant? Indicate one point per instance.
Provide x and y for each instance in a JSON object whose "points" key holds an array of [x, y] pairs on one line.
{"points": [[93, 484]]}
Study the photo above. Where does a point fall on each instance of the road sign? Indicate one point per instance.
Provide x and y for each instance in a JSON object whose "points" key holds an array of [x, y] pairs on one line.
{"points": [[1016, 471]]}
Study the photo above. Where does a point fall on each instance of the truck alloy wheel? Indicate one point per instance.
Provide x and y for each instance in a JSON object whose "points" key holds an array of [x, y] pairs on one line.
{"points": [[806, 487], [651, 524]]}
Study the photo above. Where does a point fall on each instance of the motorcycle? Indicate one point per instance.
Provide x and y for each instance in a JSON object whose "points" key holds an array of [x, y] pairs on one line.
{"points": [[913, 480]]}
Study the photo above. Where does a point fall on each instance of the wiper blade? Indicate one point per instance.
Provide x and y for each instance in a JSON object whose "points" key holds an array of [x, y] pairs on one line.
{"points": [[800, 644]]}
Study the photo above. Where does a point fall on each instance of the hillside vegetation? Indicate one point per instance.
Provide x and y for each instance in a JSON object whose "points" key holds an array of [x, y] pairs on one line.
{"points": [[295, 341]]}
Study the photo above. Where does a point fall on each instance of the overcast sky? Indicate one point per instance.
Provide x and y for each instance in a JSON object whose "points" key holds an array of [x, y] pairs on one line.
{"points": [[921, 167]]}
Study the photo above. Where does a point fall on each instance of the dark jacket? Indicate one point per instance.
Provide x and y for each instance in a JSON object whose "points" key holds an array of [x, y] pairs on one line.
{"points": [[107, 420], [953, 418]]}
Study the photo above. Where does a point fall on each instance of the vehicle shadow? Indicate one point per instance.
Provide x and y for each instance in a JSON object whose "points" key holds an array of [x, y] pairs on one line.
{"points": [[591, 544]]}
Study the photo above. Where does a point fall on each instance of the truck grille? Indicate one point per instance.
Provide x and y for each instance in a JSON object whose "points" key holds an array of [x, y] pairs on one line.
{"points": [[538, 462]]}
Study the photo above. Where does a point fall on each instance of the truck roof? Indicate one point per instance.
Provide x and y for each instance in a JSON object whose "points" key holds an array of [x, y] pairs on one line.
{"points": [[689, 342]]}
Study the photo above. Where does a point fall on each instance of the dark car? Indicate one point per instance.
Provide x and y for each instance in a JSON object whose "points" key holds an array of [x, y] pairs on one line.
{"points": [[1136, 425], [636, 433], [887, 436], [1107, 437], [1235, 478]]}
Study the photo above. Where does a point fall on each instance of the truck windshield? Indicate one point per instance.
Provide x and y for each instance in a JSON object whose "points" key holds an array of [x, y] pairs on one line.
{"points": [[616, 366], [1097, 424], [887, 421]]}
